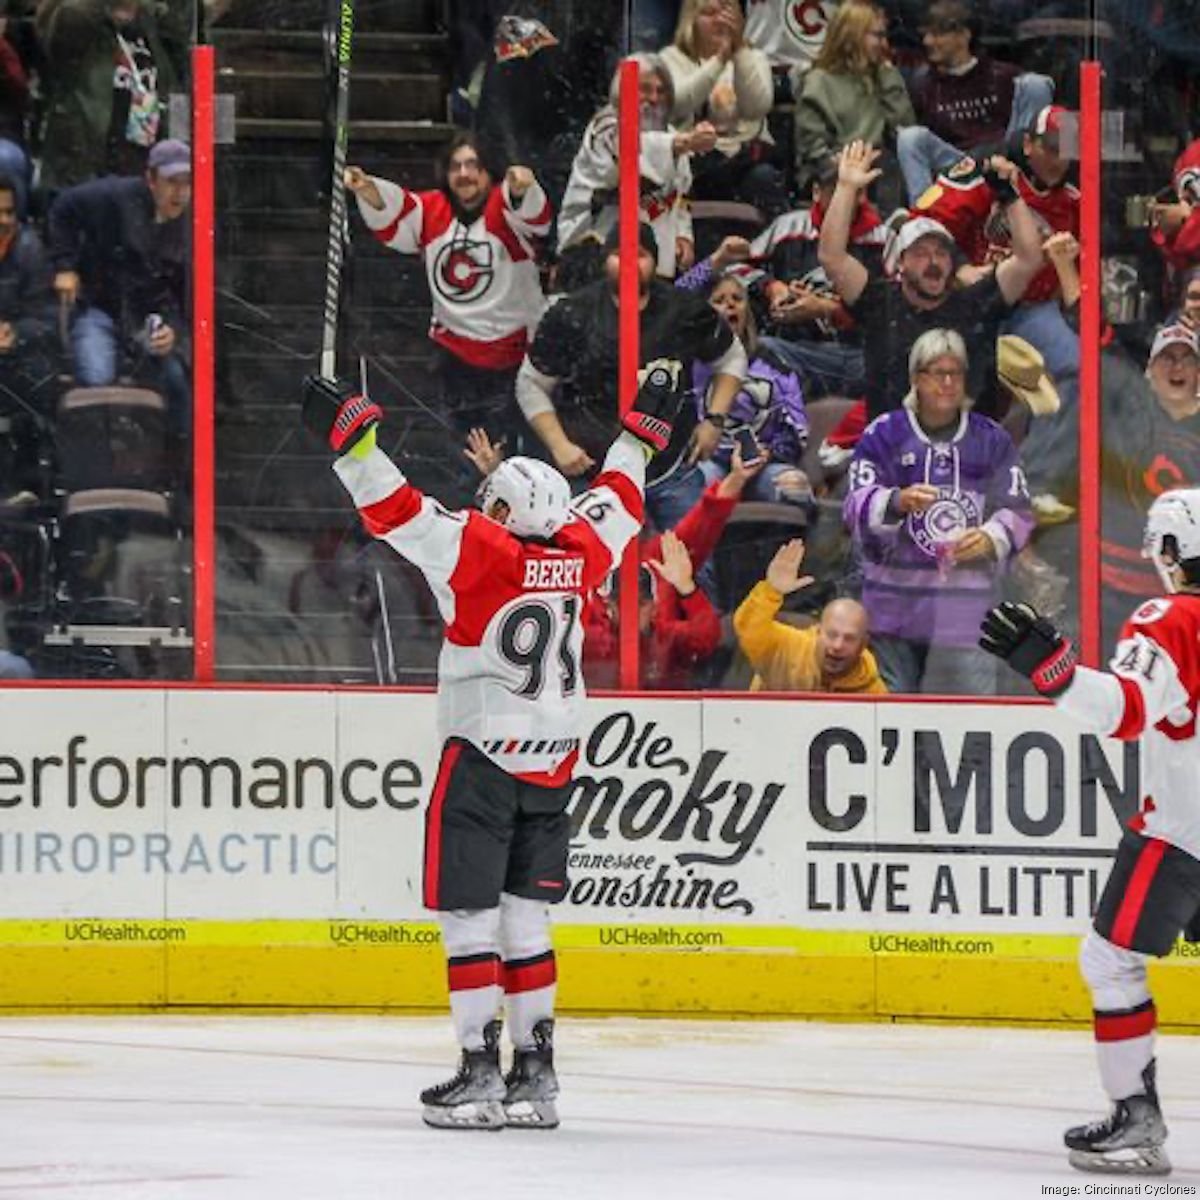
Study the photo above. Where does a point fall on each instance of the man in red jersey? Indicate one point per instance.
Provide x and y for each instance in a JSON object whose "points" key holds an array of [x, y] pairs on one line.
{"points": [[970, 199], [1150, 692], [509, 581]]}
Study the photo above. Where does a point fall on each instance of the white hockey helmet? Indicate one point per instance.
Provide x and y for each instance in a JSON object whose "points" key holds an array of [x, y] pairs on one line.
{"points": [[1173, 533], [538, 497]]}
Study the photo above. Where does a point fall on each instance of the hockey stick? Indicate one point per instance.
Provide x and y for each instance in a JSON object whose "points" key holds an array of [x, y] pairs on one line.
{"points": [[338, 45]]}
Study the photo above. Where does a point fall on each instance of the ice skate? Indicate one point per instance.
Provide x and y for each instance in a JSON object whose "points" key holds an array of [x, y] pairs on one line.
{"points": [[1129, 1141], [531, 1084], [473, 1098]]}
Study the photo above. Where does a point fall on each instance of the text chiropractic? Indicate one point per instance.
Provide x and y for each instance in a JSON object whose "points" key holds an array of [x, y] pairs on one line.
{"points": [[47, 853]]}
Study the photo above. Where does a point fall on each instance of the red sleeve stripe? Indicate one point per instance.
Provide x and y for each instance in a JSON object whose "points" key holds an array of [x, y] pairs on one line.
{"points": [[530, 974], [628, 492], [1125, 923], [543, 218], [1133, 714], [1121, 1026], [407, 204], [392, 511], [477, 971], [495, 220]]}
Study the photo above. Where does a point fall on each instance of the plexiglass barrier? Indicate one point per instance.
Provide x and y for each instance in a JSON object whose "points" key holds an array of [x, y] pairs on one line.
{"points": [[862, 242]]}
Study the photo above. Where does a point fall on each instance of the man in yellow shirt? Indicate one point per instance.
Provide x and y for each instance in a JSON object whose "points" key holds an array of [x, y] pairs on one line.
{"points": [[831, 656]]}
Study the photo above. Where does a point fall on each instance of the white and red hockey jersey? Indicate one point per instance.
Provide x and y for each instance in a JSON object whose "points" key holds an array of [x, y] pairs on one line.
{"points": [[483, 276], [791, 32], [509, 677], [1150, 692], [589, 204]]}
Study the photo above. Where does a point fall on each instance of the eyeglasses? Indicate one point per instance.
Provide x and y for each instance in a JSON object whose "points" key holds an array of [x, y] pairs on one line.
{"points": [[943, 374]]}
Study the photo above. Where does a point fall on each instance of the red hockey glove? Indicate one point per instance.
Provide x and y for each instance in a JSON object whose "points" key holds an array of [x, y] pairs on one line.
{"points": [[652, 416], [338, 413], [1030, 644]]}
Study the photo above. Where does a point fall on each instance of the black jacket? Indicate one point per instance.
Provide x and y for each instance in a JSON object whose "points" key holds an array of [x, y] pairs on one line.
{"points": [[129, 265]]}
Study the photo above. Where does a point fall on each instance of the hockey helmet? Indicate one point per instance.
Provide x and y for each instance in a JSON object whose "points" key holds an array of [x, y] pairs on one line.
{"points": [[1172, 537], [537, 496]]}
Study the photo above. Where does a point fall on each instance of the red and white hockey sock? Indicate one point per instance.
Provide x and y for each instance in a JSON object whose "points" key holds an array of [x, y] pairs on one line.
{"points": [[529, 987], [1124, 1047], [473, 971], [530, 971], [1124, 1017]]}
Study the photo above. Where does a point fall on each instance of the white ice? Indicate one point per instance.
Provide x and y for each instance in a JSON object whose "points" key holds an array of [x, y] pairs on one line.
{"points": [[268, 1108]]}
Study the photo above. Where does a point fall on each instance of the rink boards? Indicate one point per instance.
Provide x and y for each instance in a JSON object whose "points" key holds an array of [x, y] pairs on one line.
{"points": [[261, 848]]}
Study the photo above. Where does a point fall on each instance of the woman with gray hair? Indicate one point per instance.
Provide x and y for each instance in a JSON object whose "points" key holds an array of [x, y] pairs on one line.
{"points": [[590, 202], [937, 506]]}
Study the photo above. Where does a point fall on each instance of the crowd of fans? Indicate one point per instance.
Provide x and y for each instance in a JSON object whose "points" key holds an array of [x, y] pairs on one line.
{"points": [[828, 225], [94, 268]]}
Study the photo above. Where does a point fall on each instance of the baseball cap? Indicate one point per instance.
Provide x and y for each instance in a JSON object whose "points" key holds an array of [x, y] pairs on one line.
{"points": [[1174, 335], [1058, 128], [909, 233], [170, 157]]}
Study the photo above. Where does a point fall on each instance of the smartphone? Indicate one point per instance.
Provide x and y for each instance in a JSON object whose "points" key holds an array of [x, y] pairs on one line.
{"points": [[748, 444]]}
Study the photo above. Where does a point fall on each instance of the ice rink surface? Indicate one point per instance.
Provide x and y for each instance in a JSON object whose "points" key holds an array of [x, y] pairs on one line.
{"points": [[292, 1108]]}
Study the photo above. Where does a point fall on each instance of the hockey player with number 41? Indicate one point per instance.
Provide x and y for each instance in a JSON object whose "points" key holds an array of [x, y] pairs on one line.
{"points": [[1150, 692], [509, 581]]}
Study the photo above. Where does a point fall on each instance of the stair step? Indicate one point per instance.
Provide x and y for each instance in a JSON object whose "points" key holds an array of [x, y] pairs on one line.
{"points": [[362, 132], [399, 281], [282, 48], [300, 95], [396, 16]]}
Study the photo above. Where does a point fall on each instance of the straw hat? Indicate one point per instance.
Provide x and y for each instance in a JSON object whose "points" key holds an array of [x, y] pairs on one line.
{"points": [[1023, 371]]}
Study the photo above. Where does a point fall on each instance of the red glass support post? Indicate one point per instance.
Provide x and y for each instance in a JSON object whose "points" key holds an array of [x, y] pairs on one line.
{"points": [[1089, 361], [204, 360], [628, 149]]}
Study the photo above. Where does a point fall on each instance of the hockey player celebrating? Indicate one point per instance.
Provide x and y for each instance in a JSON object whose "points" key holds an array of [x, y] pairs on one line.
{"points": [[1153, 893], [509, 581]]}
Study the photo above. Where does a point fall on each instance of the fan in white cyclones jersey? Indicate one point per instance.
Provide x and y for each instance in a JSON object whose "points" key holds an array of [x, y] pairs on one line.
{"points": [[509, 581], [478, 236], [1150, 692]]}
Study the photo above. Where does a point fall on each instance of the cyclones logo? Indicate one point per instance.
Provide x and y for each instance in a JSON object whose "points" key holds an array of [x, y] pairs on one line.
{"points": [[463, 271], [806, 19], [945, 520]]}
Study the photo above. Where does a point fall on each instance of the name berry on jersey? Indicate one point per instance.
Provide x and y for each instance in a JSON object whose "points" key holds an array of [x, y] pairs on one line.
{"points": [[553, 574]]}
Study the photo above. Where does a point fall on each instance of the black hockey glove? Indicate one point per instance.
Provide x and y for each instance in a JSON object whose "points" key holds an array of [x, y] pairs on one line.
{"points": [[1030, 644], [652, 415], [337, 412], [1003, 189]]}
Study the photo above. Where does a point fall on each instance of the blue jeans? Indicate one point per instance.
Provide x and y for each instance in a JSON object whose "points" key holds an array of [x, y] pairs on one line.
{"points": [[1045, 328], [96, 347], [912, 667], [766, 486], [923, 155], [669, 500], [825, 368]]}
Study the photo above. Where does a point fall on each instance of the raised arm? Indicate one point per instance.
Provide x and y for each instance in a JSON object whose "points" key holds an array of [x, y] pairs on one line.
{"points": [[1016, 272], [856, 171]]}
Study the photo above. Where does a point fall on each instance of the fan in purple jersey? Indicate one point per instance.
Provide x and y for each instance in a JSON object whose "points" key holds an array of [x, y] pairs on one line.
{"points": [[937, 506]]}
